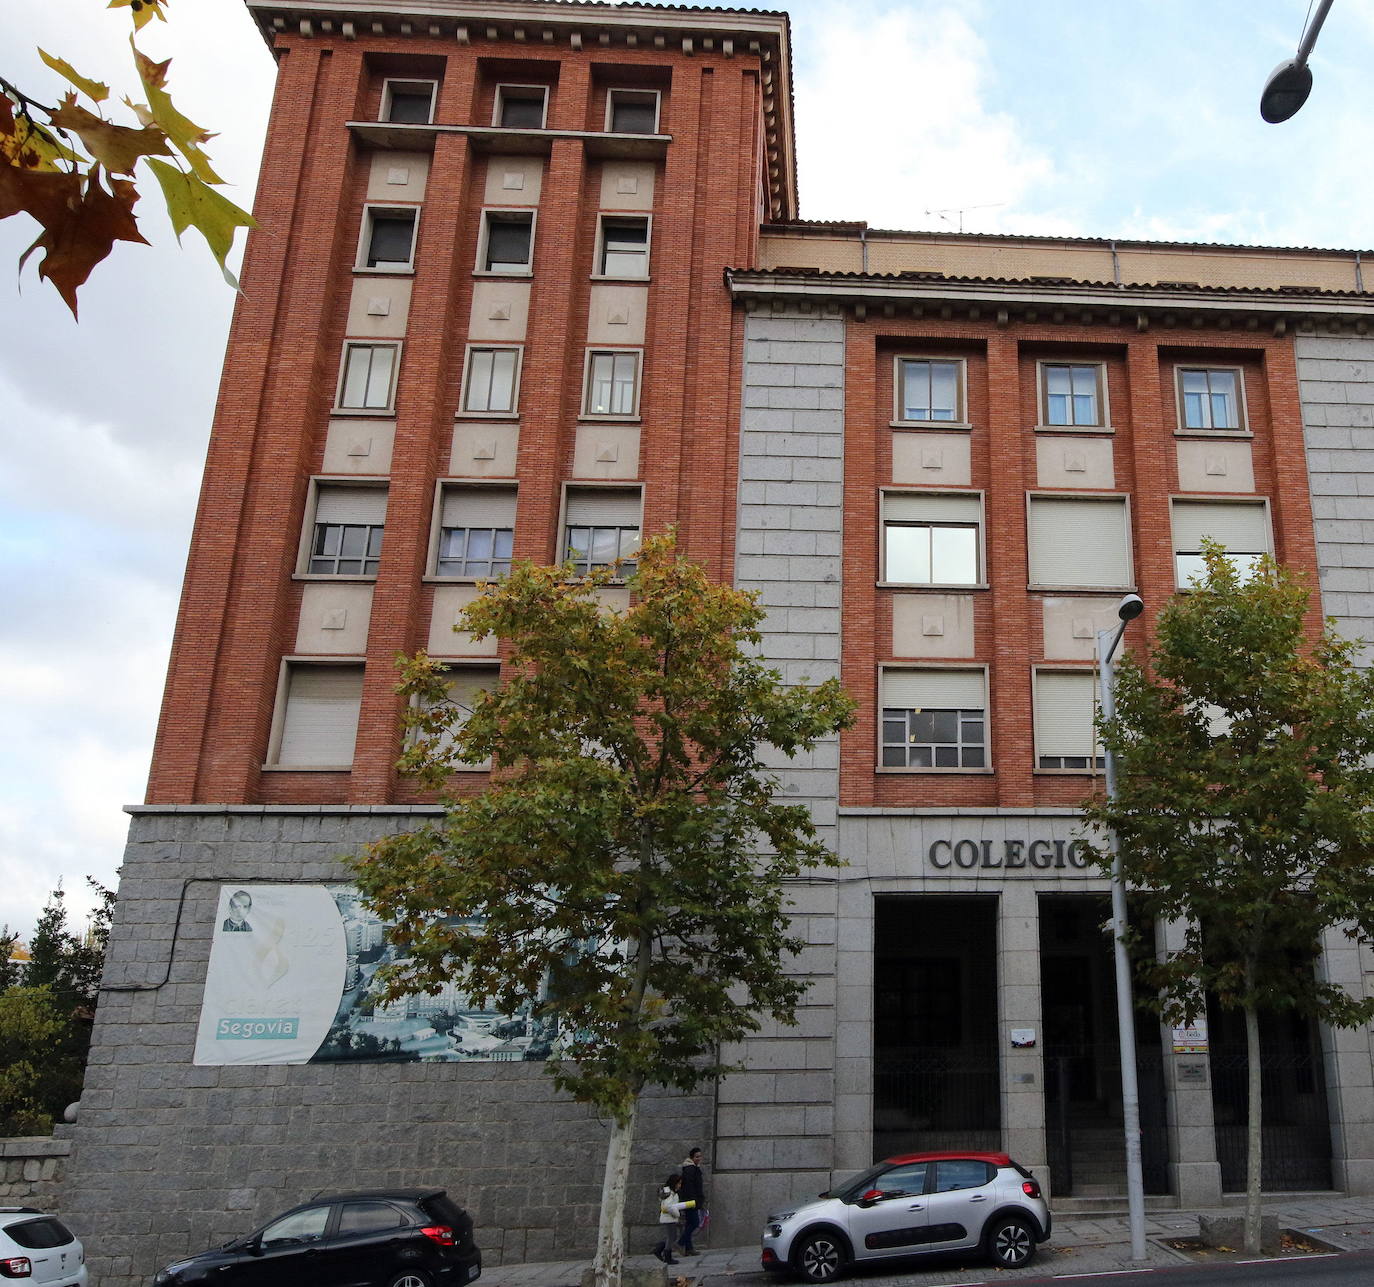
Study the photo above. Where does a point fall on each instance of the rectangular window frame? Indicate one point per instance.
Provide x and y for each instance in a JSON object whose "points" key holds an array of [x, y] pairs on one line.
{"points": [[367, 409], [1086, 497], [613, 216], [630, 94], [564, 524], [318, 485], [1096, 763], [290, 663], [486, 666], [588, 386], [492, 215], [370, 214], [1252, 503], [889, 668], [388, 91], [1103, 424], [445, 488], [899, 363], [938, 494], [521, 93], [1242, 429], [469, 387]]}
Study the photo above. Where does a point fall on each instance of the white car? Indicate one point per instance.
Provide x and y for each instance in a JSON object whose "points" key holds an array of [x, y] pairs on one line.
{"points": [[913, 1205], [40, 1249]]}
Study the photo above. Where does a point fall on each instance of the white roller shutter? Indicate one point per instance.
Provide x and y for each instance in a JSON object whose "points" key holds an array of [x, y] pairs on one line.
{"points": [[478, 507], [320, 724], [1079, 542], [1241, 528], [342, 504], [934, 689], [464, 683], [960, 507], [1064, 710], [603, 507]]}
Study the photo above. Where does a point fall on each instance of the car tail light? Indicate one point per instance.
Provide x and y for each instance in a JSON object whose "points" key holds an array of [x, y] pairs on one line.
{"points": [[770, 1257], [1031, 1188], [439, 1233], [16, 1267]]}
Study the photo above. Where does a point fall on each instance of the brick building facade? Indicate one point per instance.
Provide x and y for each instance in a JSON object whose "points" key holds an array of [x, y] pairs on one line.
{"points": [[530, 281]]}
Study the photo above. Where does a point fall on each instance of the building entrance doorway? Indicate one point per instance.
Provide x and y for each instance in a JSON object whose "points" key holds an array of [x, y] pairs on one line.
{"points": [[936, 1082], [1083, 1121]]}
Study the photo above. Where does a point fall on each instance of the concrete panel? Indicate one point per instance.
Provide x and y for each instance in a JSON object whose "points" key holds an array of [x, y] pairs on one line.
{"points": [[943, 459], [334, 619], [627, 185], [483, 450], [932, 625], [1074, 462], [444, 640], [359, 447], [606, 451], [378, 307], [616, 314], [1071, 626], [397, 176], [1215, 466], [500, 311], [513, 181]]}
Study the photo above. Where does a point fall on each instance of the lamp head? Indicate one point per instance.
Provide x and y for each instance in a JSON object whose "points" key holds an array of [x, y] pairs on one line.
{"points": [[1130, 607], [1285, 91]]}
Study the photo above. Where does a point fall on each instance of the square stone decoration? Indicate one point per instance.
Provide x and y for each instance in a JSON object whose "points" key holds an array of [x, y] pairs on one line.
{"points": [[922, 457], [932, 625]]}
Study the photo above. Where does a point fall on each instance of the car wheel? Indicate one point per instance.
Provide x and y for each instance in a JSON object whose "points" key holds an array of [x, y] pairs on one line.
{"points": [[408, 1278], [1011, 1243], [820, 1258]]}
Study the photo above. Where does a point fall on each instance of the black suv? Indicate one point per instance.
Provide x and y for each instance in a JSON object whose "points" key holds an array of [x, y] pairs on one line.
{"points": [[386, 1238]]}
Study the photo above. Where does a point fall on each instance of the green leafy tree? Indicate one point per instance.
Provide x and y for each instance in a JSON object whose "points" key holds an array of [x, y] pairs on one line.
{"points": [[62, 980], [11, 970], [31, 1029], [72, 169], [626, 869], [1246, 806]]}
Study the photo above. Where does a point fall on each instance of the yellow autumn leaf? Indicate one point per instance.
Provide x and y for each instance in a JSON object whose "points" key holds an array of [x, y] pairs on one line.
{"points": [[29, 146], [144, 10], [185, 135], [192, 203], [95, 90], [116, 147]]}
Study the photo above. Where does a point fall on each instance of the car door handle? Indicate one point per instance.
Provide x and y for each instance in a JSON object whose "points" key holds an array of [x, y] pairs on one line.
{"points": [[979, 1197], [917, 1206]]}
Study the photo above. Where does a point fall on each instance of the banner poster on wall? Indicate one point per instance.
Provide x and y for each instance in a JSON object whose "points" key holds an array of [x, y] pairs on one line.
{"points": [[290, 981]]}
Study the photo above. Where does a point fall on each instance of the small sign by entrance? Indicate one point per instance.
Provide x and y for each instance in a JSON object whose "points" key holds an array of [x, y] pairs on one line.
{"points": [[1022, 1038], [1191, 1070], [1191, 1038]]}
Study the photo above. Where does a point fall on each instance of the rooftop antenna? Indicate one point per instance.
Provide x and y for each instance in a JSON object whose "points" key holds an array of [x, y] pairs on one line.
{"points": [[959, 210]]}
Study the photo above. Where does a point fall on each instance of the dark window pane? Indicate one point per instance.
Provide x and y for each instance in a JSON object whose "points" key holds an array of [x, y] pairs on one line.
{"points": [[410, 106], [973, 757], [894, 757], [946, 757], [946, 726], [362, 1217], [920, 757], [923, 726], [633, 115], [390, 244], [522, 111]]}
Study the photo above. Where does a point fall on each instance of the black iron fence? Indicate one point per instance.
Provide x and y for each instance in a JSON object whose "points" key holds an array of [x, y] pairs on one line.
{"points": [[936, 1098]]}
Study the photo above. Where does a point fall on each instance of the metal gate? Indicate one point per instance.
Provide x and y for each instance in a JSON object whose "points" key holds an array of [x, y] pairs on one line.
{"points": [[936, 1099], [1296, 1132]]}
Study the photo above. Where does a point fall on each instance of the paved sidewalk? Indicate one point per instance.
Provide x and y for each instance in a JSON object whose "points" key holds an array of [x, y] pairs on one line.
{"points": [[1081, 1244]]}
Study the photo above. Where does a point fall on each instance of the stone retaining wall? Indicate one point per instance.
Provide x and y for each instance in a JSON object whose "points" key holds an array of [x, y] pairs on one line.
{"points": [[32, 1168]]}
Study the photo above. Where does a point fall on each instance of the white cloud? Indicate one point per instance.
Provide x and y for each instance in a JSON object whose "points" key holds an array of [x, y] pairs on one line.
{"points": [[893, 122]]}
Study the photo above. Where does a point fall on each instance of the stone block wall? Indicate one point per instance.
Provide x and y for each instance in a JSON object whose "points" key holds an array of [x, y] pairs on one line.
{"points": [[32, 1168], [170, 1158], [1336, 385]]}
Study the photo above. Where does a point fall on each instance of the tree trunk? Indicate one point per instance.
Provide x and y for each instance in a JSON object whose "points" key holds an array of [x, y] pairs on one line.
{"points": [[1255, 1151], [610, 1236]]}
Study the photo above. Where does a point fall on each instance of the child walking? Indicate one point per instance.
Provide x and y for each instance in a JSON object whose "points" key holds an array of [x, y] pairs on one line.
{"points": [[670, 1207]]}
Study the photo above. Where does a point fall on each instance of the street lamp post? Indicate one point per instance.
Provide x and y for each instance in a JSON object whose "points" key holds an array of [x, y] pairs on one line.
{"points": [[1128, 609], [1290, 82]]}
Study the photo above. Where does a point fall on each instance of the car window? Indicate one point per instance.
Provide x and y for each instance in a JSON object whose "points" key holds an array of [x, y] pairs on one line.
{"points": [[299, 1226], [34, 1235], [910, 1178], [363, 1217], [963, 1173]]}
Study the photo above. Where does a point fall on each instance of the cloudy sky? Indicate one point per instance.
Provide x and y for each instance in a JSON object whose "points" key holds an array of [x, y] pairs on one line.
{"points": [[1132, 119]]}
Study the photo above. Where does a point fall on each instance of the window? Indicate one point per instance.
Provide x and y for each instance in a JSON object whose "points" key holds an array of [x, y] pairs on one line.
{"points": [[507, 236], [632, 111], [1065, 708], [492, 380], [408, 102], [930, 389], [476, 531], [368, 378], [931, 539], [934, 719], [902, 1181], [1209, 399], [1072, 394], [368, 1217], [319, 722], [302, 1226], [1242, 528], [347, 536], [954, 1174], [388, 239], [612, 383], [602, 526], [520, 107], [1077, 542], [624, 247], [466, 684]]}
